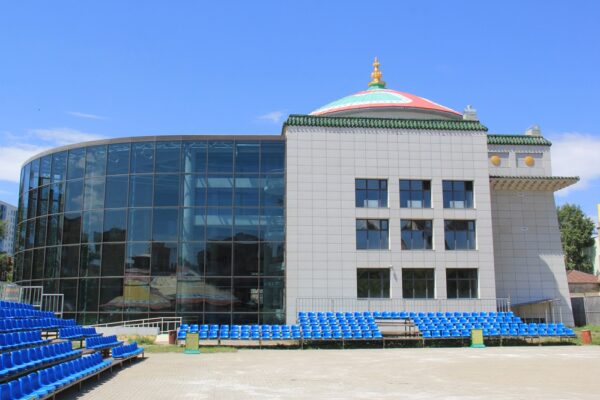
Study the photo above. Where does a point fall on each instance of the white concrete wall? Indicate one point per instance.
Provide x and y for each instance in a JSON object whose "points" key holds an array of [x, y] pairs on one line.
{"points": [[321, 167], [541, 154]]}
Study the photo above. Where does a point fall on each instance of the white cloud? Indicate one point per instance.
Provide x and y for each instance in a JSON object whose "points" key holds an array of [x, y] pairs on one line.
{"points": [[576, 154], [62, 136], [273, 116], [13, 157], [85, 115]]}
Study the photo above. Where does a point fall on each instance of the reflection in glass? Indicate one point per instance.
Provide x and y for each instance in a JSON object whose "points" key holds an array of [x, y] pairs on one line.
{"points": [[140, 193], [69, 265], [194, 157], [166, 190], [193, 223], [88, 295], [118, 159], [247, 157], [71, 228], [220, 191], [52, 264], [93, 222], [142, 157], [115, 225], [91, 258], [246, 224], [45, 169], [68, 287], [164, 259], [272, 225], [113, 259], [59, 166], [56, 198], [217, 294], [116, 191], [76, 163], [247, 191], [94, 193], [245, 259], [111, 295], [192, 260], [34, 173], [193, 191], [32, 203], [95, 161], [140, 221], [190, 295], [220, 157], [272, 191], [42, 200], [165, 224], [218, 259], [273, 295], [271, 259], [167, 156], [40, 232], [55, 228], [246, 293], [74, 195], [164, 291], [219, 222], [27, 258], [37, 268], [136, 294], [138, 259], [272, 158]]}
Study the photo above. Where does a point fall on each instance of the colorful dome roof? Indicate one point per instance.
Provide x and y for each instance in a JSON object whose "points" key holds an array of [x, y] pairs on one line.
{"points": [[377, 97]]}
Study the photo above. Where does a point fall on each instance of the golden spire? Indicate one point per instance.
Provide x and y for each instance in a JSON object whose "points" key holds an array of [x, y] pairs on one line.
{"points": [[376, 82]]}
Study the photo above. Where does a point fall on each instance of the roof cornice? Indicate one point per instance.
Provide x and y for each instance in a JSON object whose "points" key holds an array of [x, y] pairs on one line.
{"points": [[518, 140]]}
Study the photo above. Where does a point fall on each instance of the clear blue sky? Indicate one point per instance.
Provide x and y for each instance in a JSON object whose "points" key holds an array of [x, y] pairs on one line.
{"points": [[73, 70]]}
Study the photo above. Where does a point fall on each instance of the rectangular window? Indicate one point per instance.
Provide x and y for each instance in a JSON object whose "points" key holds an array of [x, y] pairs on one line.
{"points": [[373, 283], [418, 283], [415, 194], [458, 194], [461, 283], [371, 193], [372, 234], [459, 234], [416, 234]]}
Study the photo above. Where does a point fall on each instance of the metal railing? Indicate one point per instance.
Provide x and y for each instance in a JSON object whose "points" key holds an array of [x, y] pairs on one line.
{"points": [[416, 305], [10, 292], [32, 295], [53, 302], [164, 324]]}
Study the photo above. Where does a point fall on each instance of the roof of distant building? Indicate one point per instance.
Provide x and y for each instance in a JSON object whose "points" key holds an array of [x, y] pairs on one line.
{"points": [[574, 276]]}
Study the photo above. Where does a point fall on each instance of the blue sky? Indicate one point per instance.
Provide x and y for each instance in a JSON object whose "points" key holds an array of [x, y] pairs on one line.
{"points": [[73, 71]]}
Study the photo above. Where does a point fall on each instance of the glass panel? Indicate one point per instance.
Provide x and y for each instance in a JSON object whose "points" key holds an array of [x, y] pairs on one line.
{"points": [[142, 157], [272, 191], [45, 169], [164, 259], [138, 259], [30, 234], [166, 190], [115, 225], [245, 259], [192, 260], [247, 157], [194, 157], [165, 224], [113, 259], [92, 226], [193, 224], [136, 294], [71, 228], [59, 166], [193, 191], [94, 193], [246, 293], [95, 161], [52, 267], [68, 287], [219, 223], [272, 225], [69, 266], [34, 174], [247, 190], [272, 158], [271, 259], [220, 157], [91, 258], [40, 232], [27, 258], [220, 191], [88, 295], [55, 228], [167, 156], [218, 259], [273, 295], [140, 221], [218, 296], [190, 296], [37, 269], [164, 293], [76, 163], [111, 297], [140, 193], [247, 224], [118, 159], [116, 191], [56, 198], [74, 195]]}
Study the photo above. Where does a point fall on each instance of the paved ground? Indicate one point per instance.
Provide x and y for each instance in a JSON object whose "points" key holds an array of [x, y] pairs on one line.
{"points": [[565, 372]]}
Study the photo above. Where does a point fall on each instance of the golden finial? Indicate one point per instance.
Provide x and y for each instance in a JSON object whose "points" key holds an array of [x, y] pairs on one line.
{"points": [[376, 82]]}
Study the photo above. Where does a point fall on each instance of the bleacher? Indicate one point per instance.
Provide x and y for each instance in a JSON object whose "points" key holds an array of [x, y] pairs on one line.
{"points": [[33, 367]]}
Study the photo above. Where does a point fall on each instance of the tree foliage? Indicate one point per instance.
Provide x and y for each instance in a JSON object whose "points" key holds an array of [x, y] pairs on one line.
{"points": [[3, 229], [576, 231]]}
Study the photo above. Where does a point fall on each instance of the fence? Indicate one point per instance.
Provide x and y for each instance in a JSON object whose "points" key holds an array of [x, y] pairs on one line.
{"points": [[53, 302], [416, 305], [164, 324], [586, 310], [33, 295]]}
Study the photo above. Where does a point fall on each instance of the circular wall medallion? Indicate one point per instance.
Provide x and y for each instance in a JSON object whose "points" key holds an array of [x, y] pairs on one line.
{"points": [[529, 161], [495, 160]]}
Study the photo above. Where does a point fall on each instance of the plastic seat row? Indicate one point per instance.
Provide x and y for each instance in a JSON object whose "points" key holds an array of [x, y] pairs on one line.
{"points": [[21, 360], [15, 340], [102, 342], [11, 325], [77, 332], [24, 313], [12, 304], [47, 381], [405, 314], [127, 350]]}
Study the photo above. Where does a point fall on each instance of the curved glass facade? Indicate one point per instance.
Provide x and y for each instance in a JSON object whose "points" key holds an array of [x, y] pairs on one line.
{"points": [[142, 228]]}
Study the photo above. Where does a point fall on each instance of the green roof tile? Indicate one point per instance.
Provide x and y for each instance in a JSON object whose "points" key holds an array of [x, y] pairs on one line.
{"points": [[518, 140], [383, 123]]}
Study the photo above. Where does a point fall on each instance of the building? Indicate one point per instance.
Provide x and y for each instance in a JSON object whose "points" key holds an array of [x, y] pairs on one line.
{"points": [[581, 283], [593, 252], [8, 214], [379, 199]]}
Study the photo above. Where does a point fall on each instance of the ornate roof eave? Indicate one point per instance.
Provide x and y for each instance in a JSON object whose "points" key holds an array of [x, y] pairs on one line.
{"points": [[534, 183], [518, 140]]}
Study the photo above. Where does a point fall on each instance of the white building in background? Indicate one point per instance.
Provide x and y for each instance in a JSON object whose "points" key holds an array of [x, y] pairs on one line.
{"points": [[392, 196], [8, 213]]}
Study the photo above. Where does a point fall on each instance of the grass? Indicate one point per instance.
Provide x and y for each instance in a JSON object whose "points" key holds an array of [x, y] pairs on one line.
{"points": [[595, 329]]}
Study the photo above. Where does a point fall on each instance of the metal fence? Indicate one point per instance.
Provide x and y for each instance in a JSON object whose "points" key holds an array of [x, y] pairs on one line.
{"points": [[164, 324], [32, 295], [416, 305], [53, 302], [10, 292]]}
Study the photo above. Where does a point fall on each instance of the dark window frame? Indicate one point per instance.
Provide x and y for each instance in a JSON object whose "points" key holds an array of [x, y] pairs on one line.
{"points": [[457, 191], [412, 283], [373, 276], [409, 237], [374, 241], [458, 282], [367, 190], [414, 190]]}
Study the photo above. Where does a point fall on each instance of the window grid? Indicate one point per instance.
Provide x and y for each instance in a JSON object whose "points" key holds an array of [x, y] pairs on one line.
{"points": [[416, 234], [415, 193], [371, 193], [458, 194], [461, 283], [418, 283], [372, 234]]}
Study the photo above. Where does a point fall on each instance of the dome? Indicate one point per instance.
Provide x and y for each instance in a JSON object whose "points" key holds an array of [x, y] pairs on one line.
{"points": [[377, 101]]}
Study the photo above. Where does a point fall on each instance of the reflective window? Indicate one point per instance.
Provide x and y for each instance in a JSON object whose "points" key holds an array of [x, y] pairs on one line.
{"points": [[55, 228], [167, 156], [27, 258], [164, 259], [191, 258], [113, 259], [222, 298], [164, 289], [247, 191], [37, 268], [458, 194], [245, 259], [69, 266], [74, 195], [373, 283], [194, 157], [116, 191], [26, 173], [45, 169], [372, 234], [247, 157], [118, 159], [93, 197], [246, 292], [95, 164], [459, 235], [272, 191], [218, 259], [88, 295], [416, 234], [111, 296], [461, 283], [193, 224], [136, 295], [246, 224], [32, 203], [272, 225], [76, 163], [140, 221], [93, 222], [52, 264], [166, 190], [272, 158], [30, 234], [415, 194], [273, 295], [371, 193], [140, 193], [271, 259], [42, 200], [34, 173], [115, 225], [138, 259], [71, 228], [193, 191], [142, 157], [190, 296], [40, 232], [90, 260], [56, 198], [59, 166], [219, 222], [220, 157], [220, 191], [68, 287], [418, 283], [165, 224]]}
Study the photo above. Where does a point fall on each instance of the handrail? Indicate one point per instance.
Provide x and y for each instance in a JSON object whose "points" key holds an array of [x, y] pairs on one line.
{"points": [[165, 324]]}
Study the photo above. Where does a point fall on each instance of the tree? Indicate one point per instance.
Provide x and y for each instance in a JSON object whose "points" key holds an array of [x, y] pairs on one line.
{"points": [[3, 229], [6, 262], [575, 235]]}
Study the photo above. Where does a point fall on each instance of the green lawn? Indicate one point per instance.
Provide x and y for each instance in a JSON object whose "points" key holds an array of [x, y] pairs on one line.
{"points": [[595, 329]]}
